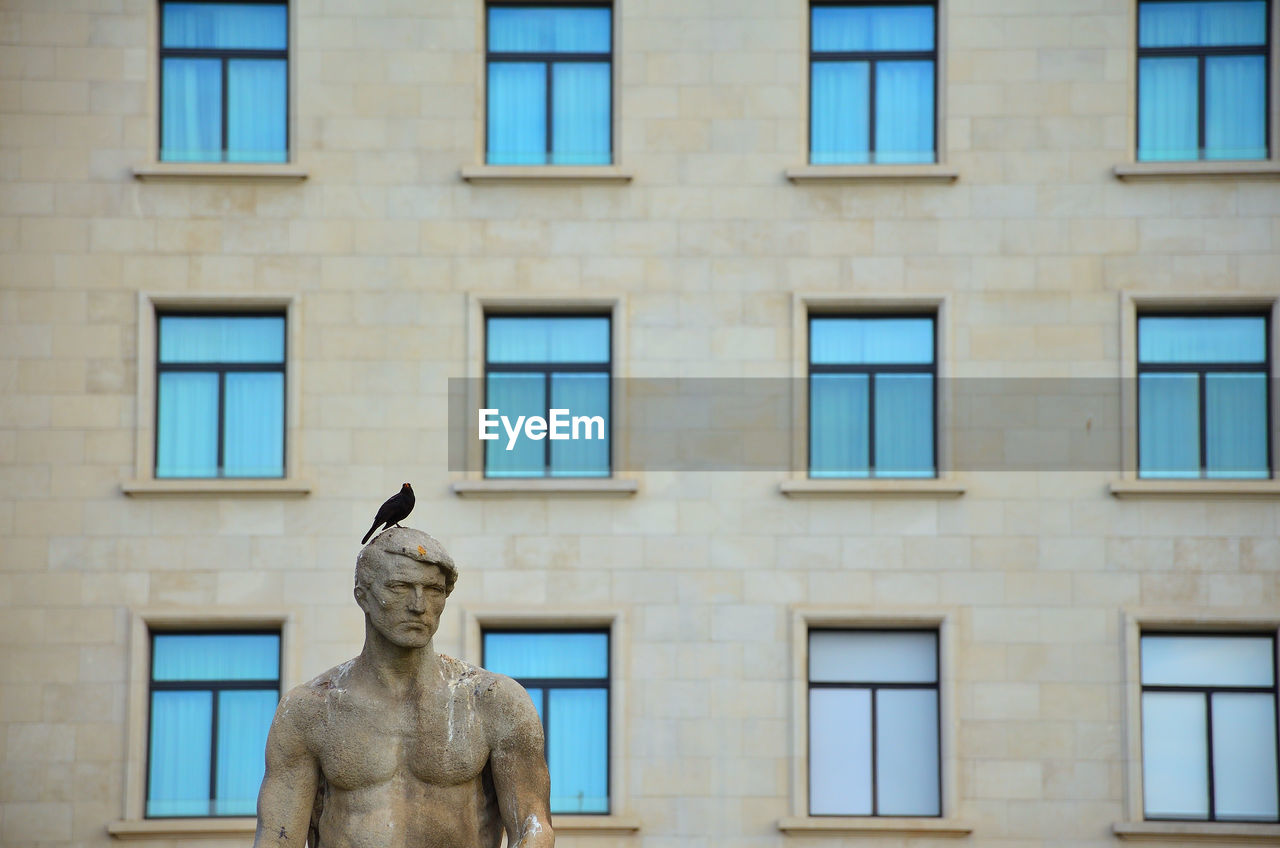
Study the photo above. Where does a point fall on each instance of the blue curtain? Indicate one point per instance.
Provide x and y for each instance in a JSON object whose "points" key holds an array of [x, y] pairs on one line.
{"points": [[1202, 24], [192, 107], [1235, 106], [514, 395], [243, 721], [1168, 425], [254, 428], [583, 395], [244, 26], [221, 339], [181, 723], [533, 654], [838, 425], [839, 113], [187, 425], [904, 425], [517, 125], [578, 750], [549, 30], [855, 28], [581, 92], [869, 341], [1167, 112], [904, 112], [1209, 339], [1236, 425], [257, 107], [203, 656], [536, 339]]}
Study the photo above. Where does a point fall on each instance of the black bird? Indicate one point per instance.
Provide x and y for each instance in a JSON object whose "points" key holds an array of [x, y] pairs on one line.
{"points": [[393, 511]]}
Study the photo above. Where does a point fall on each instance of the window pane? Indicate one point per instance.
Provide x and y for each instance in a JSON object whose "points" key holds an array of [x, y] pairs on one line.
{"points": [[1244, 756], [580, 113], [1236, 425], [1168, 425], [255, 425], [839, 113], [1207, 661], [904, 425], [202, 656], [1168, 116], [578, 750], [839, 752], [855, 28], [907, 752], [549, 30], [586, 452], [1209, 339], [863, 341], [179, 767], [226, 25], [187, 425], [873, 656], [554, 655], [1235, 107], [243, 721], [904, 112], [258, 339], [517, 126], [256, 110], [515, 395], [838, 433], [1175, 781], [1217, 23], [192, 110], [532, 339]]}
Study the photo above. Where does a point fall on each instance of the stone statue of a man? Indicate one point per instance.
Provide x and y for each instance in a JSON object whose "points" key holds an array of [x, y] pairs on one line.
{"points": [[402, 746]]}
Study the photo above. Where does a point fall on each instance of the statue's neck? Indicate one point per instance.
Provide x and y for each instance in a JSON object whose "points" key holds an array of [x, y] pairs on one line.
{"points": [[396, 667]]}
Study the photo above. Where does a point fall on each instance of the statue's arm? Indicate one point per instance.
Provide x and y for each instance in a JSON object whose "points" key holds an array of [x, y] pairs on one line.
{"points": [[519, 766], [289, 787]]}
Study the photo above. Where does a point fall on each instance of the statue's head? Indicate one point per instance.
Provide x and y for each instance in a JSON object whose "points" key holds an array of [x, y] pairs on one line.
{"points": [[402, 579]]}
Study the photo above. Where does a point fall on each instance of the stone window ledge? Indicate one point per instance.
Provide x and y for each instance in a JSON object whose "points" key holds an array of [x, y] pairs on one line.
{"points": [[545, 173], [573, 825], [1198, 831], [1261, 169], [148, 488], [220, 828], [931, 488], [606, 486], [218, 171], [1195, 489], [867, 826], [932, 173]]}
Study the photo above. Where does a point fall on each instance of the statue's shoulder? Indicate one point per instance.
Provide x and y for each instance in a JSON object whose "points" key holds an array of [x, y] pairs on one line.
{"points": [[485, 685], [306, 698]]}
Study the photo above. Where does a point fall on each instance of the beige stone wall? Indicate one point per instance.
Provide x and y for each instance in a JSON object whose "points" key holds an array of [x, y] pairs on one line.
{"points": [[383, 246]]}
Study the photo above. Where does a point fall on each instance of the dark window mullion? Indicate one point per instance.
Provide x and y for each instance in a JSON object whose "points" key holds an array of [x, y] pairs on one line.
{"points": [[1208, 734], [1201, 141], [1204, 422], [871, 424], [225, 111], [213, 752], [546, 441], [875, 782], [222, 421], [550, 150]]}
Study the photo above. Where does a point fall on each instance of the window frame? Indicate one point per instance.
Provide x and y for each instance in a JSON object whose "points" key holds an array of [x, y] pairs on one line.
{"points": [[215, 687], [222, 369], [872, 57], [547, 369], [546, 684], [1201, 369], [1201, 53], [871, 370], [549, 60]]}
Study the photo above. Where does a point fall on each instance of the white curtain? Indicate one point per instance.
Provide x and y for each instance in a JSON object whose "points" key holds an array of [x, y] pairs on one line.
{"points": [[187, 425]]}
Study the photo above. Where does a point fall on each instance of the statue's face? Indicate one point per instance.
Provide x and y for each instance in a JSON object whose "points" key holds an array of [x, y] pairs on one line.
{"points": [[404, 601]]}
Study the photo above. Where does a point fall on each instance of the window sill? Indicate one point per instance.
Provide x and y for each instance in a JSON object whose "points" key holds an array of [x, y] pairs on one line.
{"points": [[604, 486], [860, 826], [183, 828], [574, 825], [1262, 169], [1192, 489], [147, 488], [933, 173], [217, 171], [1198, 831], [545, 173], [898, 488]]}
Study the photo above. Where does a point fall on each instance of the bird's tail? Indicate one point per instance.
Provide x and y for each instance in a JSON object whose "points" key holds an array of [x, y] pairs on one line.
{"points": [[365, 540]]}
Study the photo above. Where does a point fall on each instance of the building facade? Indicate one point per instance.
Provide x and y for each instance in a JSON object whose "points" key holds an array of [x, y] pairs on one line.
{"points": [[930, 348]]}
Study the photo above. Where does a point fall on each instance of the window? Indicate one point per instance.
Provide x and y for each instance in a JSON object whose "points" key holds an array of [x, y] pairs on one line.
{"points": [[1202, 80], [550, 86], [1209, 727], [567, 676], [220, 383], [874, 731], [224, 71], [872, 76], [212, 699], [871, 396], [537, 365], [1203, 398]]}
